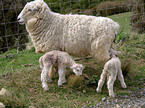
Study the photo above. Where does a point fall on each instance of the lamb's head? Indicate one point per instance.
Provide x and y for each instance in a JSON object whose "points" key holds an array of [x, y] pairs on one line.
{"points": [[32, 10], [77, 69]]}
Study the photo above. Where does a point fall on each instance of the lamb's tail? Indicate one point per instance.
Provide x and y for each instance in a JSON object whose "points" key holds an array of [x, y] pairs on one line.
{"points": [[40, 62], [51, 72]]}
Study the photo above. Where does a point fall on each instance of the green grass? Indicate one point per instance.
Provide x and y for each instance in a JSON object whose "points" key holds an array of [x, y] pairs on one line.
{"points": [[124, 21], [14, 61], [20, 74]]}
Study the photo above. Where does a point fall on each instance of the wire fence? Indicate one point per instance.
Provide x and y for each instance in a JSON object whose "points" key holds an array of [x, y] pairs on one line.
{"points": [[13, 35]]}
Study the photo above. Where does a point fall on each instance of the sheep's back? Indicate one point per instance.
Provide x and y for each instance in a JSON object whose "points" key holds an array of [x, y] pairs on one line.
{"points": [[80, 31]]}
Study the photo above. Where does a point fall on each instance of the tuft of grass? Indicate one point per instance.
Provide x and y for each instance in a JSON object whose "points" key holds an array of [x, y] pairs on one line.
{"points": [[75, 81], [126, 67], [123, 92]]}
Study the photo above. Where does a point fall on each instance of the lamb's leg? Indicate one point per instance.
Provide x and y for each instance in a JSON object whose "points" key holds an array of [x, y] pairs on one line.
{"points": [[45, 77], [63, 79], [111, 79], [61, 72], [121, 79], [101, 81]]}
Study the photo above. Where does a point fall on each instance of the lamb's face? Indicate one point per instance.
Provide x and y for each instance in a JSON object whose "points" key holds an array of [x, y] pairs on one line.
{"points": [[77, 69], [31, 10]]}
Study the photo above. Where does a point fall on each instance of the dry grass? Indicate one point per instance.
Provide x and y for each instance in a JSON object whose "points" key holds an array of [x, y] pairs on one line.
{"points": [[75, 81]]}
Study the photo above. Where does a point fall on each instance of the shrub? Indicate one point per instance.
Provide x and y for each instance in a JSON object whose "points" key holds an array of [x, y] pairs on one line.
{"points": [[113, 7], [91, 11], [138, 17], [122, 37]]}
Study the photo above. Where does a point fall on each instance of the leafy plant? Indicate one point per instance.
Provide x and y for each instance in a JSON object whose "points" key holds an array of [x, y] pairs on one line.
{"points": [[138, 18], [122, 37]]}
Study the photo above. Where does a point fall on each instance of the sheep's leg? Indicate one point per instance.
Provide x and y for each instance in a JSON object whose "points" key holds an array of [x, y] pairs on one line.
{"points": [[61, 72], [45, 77], [101, 81], [111, 79], [100, 49], [121, 79], [63, 79]]}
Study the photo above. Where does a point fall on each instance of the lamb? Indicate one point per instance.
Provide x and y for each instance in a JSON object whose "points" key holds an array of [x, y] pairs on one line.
{"points": [[111, 69], [79, 35], [60, 59]]}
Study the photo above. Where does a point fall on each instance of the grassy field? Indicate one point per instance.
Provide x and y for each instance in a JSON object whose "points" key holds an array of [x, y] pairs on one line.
{"points": [[20, 74]]}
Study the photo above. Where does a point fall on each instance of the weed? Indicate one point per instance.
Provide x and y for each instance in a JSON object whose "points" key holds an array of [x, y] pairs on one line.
{"points": [[122, 37]]}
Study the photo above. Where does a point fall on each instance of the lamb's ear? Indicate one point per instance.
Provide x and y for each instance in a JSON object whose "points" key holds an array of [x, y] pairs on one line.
{"points": [[82, 66], [72, 67], [117, 52], [114, 52]]}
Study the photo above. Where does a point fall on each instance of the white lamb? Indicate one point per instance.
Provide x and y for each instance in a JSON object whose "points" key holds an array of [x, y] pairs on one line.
{"points": [[79, 35], [60, 59], [111, 69]]}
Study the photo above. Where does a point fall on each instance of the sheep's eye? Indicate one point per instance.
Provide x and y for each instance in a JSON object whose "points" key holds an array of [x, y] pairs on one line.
{"points": [[35, 10], [29, 9]]}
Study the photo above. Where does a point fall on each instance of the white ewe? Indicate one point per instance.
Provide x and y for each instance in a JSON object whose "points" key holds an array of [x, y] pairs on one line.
{"points": [[111, 69], [79, 35], [60, 59]]}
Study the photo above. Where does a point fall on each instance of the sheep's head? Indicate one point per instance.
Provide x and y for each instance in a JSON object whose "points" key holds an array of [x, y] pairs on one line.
{"points": [[77, 69], [31, 10]]}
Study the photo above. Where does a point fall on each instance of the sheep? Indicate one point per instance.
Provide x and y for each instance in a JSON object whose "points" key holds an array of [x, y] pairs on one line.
{"points": [[111, 69], [60, 59], [79, 35]]}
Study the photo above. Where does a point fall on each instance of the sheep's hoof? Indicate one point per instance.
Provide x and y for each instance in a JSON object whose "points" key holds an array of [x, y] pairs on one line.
{"points": [[63, 82], [60, 85], [49, 81], [47, 90], [98, 91], [112, 96], [124, 86]]}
